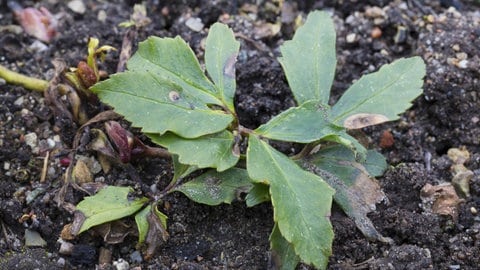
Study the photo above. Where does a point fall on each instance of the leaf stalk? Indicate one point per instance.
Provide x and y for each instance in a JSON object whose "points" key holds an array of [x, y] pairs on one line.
{"points": [[16, 78]]}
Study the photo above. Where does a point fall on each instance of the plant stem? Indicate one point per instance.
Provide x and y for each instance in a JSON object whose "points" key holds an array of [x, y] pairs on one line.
{"points": [[304, 152], [16, 78], [244, 131], [156, 152]]}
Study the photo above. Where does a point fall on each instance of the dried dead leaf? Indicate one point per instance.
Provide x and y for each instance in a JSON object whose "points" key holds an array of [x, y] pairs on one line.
{"points": [[66, 233], [156, 235], [101, 144], [266, 30], [105, 162], [81, 173], [78, 220], [357, 193], [441, 199], [92, 187], [103, 116], [114, 232]]}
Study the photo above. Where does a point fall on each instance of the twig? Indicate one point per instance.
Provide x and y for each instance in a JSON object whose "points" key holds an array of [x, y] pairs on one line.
{"points": [[45, 167], [5, 234], [16, 78]]}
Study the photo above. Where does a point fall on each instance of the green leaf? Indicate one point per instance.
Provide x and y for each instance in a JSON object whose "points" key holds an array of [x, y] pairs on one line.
{"points": [[301, 201], [181, 170], [152, 228], [356, 191], [142, 224], [306, 123], [157, 105], [161, 217], [221, 51], [110, 203], [380, 96], [174, 60], [283, 254], [309, 59], [214, 188], [257, 195], [209, 151], [343, 138], [376, 164], [173, 94]]}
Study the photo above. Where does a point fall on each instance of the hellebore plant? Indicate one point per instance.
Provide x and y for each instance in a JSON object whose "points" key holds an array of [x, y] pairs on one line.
{"points": [[167, 94]]}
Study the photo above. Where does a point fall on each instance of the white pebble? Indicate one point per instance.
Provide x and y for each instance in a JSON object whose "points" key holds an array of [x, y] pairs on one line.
{"points": [[57, 138], [102, 16], [121, 264], [51, 143], [31, 139], [66, 248], [38, 46], [61, 262], [463, 64], [24, 112], [195, 24], [6, 165], [19, 101], [77, 6], [351, 38]]}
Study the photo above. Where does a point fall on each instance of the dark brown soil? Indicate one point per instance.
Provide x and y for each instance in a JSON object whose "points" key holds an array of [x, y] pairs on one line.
{"points": [[233, 236]]}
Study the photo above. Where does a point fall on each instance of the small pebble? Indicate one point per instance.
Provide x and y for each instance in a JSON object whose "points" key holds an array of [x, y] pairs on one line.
{"points": [[386, 140], [66, 248], [19, 101], [50, 143], [57, 138], [38, 46], [462, 64], [121, 264], [374, 12], [136, 257], [25, 112], [105, 256], [61, 262], [376, 32], [401, 35], [77, 6], [6, 165], [473, 210], [33, 239], [31, 139], [351, 38], [194, 24], [102, 16]]}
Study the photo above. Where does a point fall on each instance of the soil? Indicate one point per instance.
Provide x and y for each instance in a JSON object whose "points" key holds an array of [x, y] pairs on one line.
{"points": [[233, 236]]}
